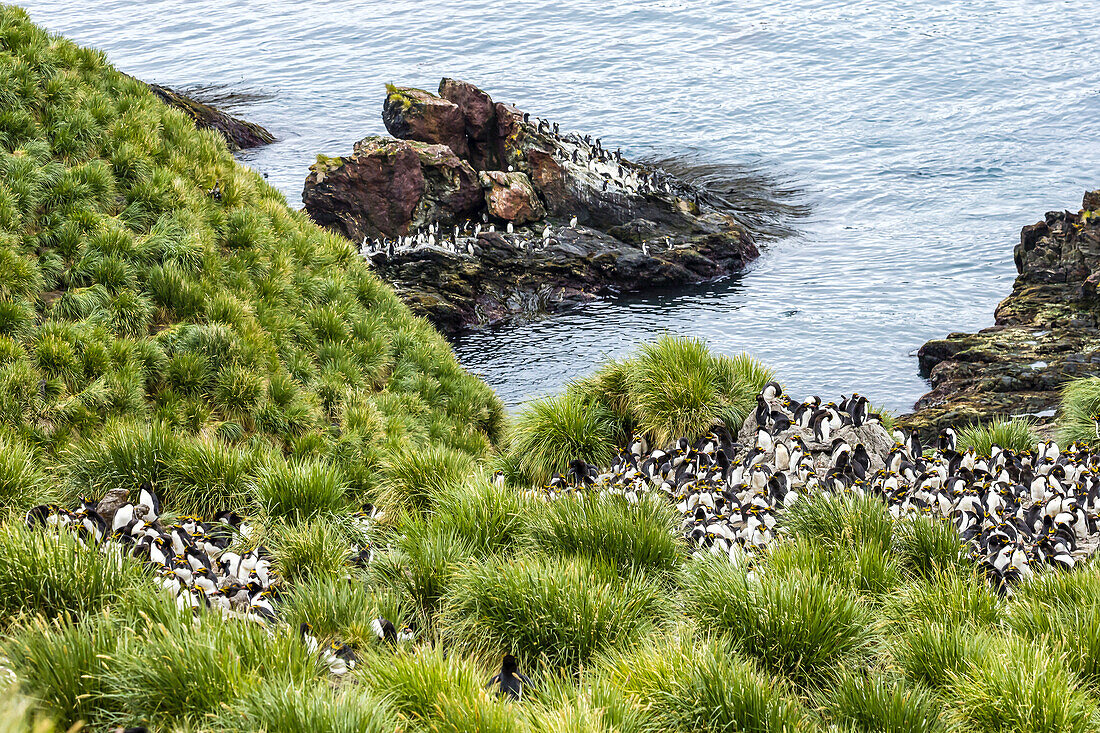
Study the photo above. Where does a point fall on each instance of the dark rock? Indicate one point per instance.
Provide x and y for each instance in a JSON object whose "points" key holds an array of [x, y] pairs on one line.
{"points": [[414, 114], [239, 134], [638, 227], [1045, 334], [1091, 202], [388, 186], [460, 291]]}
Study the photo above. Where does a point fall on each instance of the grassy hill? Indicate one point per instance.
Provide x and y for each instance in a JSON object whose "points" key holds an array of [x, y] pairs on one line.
{"points": [[165, 316]]}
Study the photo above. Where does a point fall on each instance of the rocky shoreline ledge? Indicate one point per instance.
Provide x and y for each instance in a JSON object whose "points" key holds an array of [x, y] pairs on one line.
{"points": [[477, 212], [1046, 332]]}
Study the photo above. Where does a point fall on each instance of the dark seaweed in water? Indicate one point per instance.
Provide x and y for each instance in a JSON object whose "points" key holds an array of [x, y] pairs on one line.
{"points": [[766, 205]]}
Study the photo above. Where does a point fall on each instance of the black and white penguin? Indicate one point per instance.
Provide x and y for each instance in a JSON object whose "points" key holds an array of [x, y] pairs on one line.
{"points": [[148, 498], [340, 658], [384, 630], [509, 680]]}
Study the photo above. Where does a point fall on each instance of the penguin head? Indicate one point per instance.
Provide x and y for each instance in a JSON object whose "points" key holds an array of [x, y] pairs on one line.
{"points": [[508, 664]]}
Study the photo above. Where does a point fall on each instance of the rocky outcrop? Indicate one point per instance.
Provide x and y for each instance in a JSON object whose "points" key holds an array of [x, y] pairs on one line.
{"points": [[510, 196], [239, 134], [414, 114], [576, 221], [508, 275], [390, 187], [1046, 333]]}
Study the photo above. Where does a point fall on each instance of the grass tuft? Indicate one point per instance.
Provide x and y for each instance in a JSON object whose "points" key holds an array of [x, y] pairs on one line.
{"points": [[1015, 434], [1013, 686], [801, 626], [1078, 411], [298, 491], [702, 687], [643, 536], [866, 703], [552, 431], [56, 576], [551, 613]]}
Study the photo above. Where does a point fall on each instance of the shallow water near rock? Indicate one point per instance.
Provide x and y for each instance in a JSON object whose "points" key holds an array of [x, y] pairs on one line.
{"points": [[918, 135]]}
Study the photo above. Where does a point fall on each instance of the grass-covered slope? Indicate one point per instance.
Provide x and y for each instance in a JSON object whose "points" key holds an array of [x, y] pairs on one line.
{"points": [[165, 316]]}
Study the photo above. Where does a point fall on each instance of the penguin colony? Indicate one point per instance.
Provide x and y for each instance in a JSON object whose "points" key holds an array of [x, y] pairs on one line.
{"points": [[190, 557], [1014, 511], [586, 159], [196, 561]]}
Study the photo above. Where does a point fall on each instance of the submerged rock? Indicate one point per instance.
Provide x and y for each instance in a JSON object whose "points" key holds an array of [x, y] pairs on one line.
{"points": [[239, 134], [1046, 332], [576, 221]]}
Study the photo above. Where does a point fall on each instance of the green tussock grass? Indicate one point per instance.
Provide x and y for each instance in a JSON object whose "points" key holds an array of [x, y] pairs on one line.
{"points": [[279, 705], [801, 626], [56, 576], [643, 536], [552, 431], [150, 330], [552, 613], [927, 545], [872, 703], [1059, 611], [436, 692], [841, 522], [957, 596], [1079, 408], [314, 549], [1014, 686], [672, 387], [703, 687], [1016, 434]]}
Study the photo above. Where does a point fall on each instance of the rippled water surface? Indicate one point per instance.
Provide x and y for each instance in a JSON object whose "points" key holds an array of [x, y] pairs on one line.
{"points": [[920, 135]]}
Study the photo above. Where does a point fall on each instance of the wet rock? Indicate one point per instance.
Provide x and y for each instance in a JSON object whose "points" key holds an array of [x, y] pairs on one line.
{"points": [[637, 227], [1045, 334], [388, 186], [414, 114], [239, 134], [511, 197]]}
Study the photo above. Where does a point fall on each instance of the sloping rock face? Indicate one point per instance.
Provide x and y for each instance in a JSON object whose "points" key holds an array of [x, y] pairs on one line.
{"points": [[510, 196], [414, 114], [239, 134], [458, 291], [576, 220], [389, 187], [1047, 332]]}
